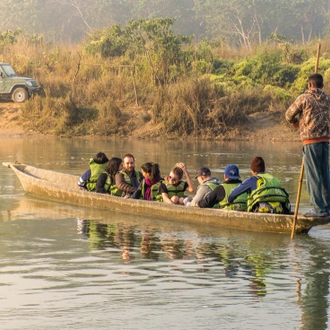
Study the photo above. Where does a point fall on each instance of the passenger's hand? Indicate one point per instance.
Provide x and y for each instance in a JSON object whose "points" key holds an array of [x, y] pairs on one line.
{"points": [[187, 200], [182, 166]]}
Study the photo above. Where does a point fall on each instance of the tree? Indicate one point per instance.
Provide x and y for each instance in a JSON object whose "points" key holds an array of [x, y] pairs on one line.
{"points": [[152, 39], [244, 22]]}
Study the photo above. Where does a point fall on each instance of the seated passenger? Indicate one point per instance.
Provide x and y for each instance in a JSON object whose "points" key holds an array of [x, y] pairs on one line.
{"points": [[172, 189], [151, 182], [97, 166], [207, 183], [218, 198], [128, 179], [106, 183], [265, 192]]}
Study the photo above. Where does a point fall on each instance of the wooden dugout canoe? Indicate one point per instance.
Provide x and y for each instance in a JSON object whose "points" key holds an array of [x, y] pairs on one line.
{"points": [[63, 188]]}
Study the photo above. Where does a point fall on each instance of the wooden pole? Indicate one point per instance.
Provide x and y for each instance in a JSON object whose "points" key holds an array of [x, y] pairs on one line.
{"points": [[293, 231]]}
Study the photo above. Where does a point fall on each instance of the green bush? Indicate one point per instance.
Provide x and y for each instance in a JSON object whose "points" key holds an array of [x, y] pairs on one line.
{"points": [[220, 66]]}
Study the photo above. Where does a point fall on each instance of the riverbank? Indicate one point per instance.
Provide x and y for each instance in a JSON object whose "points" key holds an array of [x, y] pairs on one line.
{"points": [[258, 127]]}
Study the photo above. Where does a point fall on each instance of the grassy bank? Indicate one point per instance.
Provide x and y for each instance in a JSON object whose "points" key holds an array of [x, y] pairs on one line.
{"points": [[176, 88]]}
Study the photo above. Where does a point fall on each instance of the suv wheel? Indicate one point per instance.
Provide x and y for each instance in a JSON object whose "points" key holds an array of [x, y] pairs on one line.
{"points": [[19, 95]]}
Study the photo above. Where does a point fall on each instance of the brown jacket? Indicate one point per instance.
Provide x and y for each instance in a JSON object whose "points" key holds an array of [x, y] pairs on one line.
{"points": [[126, 187], [311, 109]]}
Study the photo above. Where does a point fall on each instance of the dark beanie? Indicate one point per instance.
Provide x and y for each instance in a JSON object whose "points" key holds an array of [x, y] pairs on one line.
{"points": [[257, 165]]}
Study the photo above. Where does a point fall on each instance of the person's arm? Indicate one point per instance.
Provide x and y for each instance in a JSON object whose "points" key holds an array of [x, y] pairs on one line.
{"points": [[200, 193], [164, 192], [166, 199], [101, 182], [214, 197], [190, 187], [294, 111], [247, 185], [122, 185], [84, 178]]}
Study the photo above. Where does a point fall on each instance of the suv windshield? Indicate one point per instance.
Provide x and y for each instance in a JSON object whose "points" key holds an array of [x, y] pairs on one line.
{"points": [[9, 71]]}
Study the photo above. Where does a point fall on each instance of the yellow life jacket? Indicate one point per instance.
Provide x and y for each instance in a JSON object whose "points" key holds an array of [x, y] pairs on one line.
{"points": [[239, 203], [110, 187], [173, 190], [269, 190], [153, 190], [96, 170]]}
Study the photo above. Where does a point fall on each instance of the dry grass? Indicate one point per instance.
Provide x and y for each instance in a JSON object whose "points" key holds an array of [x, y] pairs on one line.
{"points": [[87, 95]]}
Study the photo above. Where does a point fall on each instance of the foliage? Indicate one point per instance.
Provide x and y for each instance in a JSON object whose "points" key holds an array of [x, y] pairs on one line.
{"points": [[9, 37], [238, 22], [153, 40], [152, 77]]}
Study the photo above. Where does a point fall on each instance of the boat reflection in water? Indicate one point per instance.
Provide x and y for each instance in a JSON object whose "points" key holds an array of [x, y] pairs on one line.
{"points": [[254, 263], [222, 258]]}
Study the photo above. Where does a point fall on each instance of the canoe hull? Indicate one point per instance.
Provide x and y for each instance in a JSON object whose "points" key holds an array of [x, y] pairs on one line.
{"points": [[63, 188]]}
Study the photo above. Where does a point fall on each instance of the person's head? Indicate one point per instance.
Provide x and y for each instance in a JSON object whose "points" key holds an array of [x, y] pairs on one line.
{"points": [[202, 173], [257, 165], [114, 165], [315, 81], [128, 163], [231, 172], [100, 158], [175, 176], [150, 170]]}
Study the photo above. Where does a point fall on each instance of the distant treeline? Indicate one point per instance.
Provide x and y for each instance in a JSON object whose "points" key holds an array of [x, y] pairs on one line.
{"points": [[144, 76], [237, 22]]}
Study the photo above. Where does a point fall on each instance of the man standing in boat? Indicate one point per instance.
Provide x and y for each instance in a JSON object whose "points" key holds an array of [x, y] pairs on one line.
{"points": [[265, 193], [310, 113], [128, 179]]}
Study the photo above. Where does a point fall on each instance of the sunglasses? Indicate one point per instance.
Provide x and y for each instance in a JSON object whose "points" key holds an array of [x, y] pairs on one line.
{"points": [[173, 179]]}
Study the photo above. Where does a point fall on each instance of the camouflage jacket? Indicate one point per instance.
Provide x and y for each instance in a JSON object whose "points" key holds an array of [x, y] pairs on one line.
{"points": [[311, 109]]}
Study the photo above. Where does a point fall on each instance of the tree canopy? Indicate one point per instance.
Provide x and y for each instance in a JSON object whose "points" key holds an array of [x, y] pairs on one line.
{"points": [[238, 22]]}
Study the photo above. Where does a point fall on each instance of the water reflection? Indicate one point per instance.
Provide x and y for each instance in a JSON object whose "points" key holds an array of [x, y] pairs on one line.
{"points": [[314, 301], [132, 243]]}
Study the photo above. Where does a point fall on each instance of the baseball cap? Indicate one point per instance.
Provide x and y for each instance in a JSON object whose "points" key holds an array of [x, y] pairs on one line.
{"points": [[202, 171], [232, 172]]}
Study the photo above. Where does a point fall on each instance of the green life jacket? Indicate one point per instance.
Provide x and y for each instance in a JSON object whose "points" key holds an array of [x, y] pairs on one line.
{"points": [[172, 190], [107, 183], [109, 186], [269, 189], [211, 185], [117, 192], [96, 170], [239, 203], [153, 190]]}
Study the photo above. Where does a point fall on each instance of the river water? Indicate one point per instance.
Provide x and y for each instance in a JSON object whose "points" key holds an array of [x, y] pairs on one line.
{"points": [[69, 267]]}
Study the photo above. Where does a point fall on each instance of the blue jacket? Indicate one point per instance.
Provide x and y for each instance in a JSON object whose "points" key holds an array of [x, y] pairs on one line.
{"points": [[247, 185]]}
